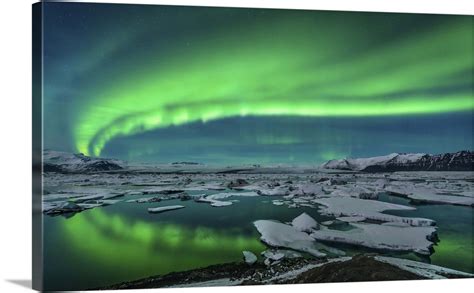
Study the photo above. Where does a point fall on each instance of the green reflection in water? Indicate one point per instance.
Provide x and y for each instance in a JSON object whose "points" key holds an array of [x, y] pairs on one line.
{"points": [[455, 251], [123, 242], [144, 248]]}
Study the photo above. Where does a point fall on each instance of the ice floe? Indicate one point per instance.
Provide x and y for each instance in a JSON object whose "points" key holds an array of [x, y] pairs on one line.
{"points": [[223, 195], [145, 200], [164, 209], [249, 257], [425, 194], [277, 234], [351, 219], [370, 209], [213, 202], [278, 202], [382, 237]]}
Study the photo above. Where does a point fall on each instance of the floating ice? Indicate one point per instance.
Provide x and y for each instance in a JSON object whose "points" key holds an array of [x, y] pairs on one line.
{"points": [[370, 209], [382, 237], [281, 235], [427, 194], [351, 219], [214, 202], [249, 257], [164, 209]]}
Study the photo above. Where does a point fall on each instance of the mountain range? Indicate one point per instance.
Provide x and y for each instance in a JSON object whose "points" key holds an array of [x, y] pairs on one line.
{"points": [[458, 161]]}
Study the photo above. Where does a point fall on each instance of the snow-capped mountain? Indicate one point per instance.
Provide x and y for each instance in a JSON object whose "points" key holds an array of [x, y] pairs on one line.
{"points": [[459, 161], [54, 161]]}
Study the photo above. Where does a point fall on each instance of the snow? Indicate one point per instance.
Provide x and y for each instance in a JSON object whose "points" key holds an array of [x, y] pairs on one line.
{"points": [[305, 223], [422, 269], [370, 209], [382, 237], [277, 234], [360, 164], [77, 162], [408, 158], [164, 209], [249, 257]]}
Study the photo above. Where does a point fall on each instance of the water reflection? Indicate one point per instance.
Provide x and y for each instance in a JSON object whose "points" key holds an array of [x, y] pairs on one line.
{"points": [[123, 242], [114, 240]]}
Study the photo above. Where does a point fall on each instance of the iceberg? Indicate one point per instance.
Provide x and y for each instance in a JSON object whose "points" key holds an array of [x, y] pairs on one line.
{"points": [[305, 223]]}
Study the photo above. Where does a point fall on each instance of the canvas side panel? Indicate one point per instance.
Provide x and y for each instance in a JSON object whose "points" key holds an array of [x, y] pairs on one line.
{"points": [[37, 245]]}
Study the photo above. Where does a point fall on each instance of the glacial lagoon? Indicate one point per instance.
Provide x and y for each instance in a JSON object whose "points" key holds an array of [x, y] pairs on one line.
{"points": [[123, 242]]}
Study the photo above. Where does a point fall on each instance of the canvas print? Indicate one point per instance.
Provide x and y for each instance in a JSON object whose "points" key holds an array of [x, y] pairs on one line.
{"points": [[181, 146]]}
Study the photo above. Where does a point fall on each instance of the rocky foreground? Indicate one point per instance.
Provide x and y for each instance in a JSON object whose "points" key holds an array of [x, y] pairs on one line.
{"points": [[296, 271]]}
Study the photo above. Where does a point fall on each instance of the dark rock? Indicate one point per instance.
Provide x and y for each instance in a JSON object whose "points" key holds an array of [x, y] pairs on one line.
{"points": [[184, 196], [333, 181], [170, 191], [52, 168], [358, 269], [237, 183]]}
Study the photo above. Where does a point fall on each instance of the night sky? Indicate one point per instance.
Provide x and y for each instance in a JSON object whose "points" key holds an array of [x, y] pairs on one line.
{"points": [[229, 86]]}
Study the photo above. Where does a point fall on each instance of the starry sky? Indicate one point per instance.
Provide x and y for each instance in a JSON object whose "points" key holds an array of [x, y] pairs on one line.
{"points": [[231, 86]]}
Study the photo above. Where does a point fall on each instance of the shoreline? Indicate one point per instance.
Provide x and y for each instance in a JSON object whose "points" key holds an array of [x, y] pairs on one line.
{"points": [[360, 268]]}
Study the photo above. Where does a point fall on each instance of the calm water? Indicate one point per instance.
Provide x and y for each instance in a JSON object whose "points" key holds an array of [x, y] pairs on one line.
{"points": [[124, 242], [455, 231]]}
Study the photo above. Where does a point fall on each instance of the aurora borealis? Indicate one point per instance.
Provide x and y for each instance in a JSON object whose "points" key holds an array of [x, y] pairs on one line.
{"points": [[164, 83]]}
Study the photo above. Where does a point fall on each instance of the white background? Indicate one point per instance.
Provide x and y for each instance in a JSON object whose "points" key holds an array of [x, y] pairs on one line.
{"points": [[15, 140]]}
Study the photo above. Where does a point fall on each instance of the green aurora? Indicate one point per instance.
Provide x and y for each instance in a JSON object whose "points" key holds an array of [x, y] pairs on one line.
{"points": [[172, 66]]}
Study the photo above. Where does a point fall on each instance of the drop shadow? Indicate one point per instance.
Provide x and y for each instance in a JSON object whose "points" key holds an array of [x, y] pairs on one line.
{"points": [[22, 283]]}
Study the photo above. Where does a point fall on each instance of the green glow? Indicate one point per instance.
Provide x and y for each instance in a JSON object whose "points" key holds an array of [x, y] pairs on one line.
{"points": [[293, 67], [150, 248], [454, 247]]}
